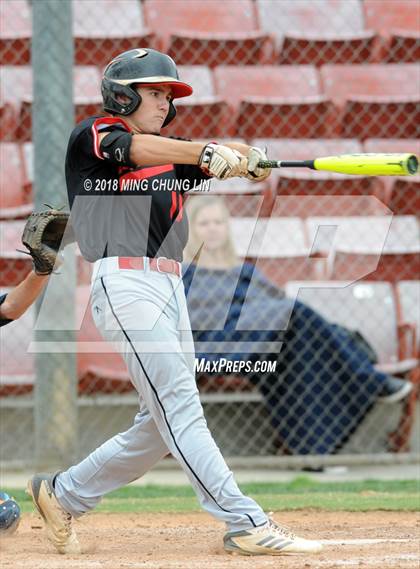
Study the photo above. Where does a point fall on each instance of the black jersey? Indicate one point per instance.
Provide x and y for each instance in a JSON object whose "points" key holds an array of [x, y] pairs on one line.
{"points": [[3, 321], [121, 211]]}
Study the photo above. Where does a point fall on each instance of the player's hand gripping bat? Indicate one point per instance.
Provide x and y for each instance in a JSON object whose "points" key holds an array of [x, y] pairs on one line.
{"points": [[362, 164]]}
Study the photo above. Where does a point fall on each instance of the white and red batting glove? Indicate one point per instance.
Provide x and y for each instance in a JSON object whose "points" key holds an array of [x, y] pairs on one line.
{"points": [[254, 173], [223, 162]]}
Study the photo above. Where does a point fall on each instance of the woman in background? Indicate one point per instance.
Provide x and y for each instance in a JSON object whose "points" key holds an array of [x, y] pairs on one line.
{"points": [[324, 383]]}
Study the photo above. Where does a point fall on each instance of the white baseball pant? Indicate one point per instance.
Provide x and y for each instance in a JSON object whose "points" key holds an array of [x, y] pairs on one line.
{"points": [[146, 312]]}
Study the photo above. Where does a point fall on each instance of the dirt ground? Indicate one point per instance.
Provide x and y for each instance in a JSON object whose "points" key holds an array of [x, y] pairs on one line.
{"points": [[380, 540]]}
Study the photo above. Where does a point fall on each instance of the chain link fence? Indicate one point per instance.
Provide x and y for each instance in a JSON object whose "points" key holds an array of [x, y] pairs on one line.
{"points": [[303, 79]]}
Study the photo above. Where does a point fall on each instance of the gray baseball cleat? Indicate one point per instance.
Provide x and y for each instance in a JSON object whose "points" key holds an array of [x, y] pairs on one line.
{"points": [[58, 523], [269, 539]]}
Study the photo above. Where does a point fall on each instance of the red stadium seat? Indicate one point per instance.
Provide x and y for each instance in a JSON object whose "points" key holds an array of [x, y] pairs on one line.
{"points": [[10, 232], [28, 167], [274, 101], [398, 22], [17, 370], [402, 193], [87, 97], [15, 86], [409, 302], [15, 32], [210, 32], [311, 184], [375, 100], [8, 121], [317, 31], [203, 114], [373, 248], [87, 92], [15, 201], [244, 198], [13, 265], [408, 297], [103, 371], [104, 29], [404, 46], [277, 246], [405, 197]]}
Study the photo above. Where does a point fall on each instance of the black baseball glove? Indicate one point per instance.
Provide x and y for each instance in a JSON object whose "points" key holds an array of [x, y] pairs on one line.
{"points": [[43, 236]]}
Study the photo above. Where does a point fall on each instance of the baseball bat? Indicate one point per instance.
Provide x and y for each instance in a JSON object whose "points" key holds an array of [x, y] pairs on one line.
{"points": [[362, 164]]}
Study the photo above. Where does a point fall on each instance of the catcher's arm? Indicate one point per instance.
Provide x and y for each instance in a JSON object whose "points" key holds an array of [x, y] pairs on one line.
{"points": [[19, 299], [43, 235]]}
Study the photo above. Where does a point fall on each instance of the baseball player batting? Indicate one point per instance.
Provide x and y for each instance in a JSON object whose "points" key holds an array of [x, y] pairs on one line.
{"points": [[138, 301]]}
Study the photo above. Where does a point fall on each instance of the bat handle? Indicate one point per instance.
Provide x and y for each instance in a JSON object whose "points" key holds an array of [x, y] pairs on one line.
{"points": [[269, 164], [286, 164]]}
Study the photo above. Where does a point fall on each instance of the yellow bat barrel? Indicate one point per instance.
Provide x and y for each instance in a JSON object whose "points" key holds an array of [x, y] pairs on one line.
{"points": [[369, 164]]}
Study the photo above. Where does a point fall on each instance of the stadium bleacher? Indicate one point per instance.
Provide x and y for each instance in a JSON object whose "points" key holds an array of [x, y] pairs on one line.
{"points": [[87, 97], [289, 104], [277, 246], [378, 247], [244, 198], [15, 196], [398, 26], [203, 114], [277, 105], [15, 32], [96, 37], [15, 87], [305, 36], [361, 92], [206, 33]]}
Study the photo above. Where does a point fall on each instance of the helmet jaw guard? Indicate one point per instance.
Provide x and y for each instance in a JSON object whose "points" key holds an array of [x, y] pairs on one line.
{"points": [[171, 114], [110, 93], [135, 67]]}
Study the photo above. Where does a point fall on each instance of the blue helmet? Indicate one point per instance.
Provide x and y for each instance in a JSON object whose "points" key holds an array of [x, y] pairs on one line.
{"points": [[9, 514]]}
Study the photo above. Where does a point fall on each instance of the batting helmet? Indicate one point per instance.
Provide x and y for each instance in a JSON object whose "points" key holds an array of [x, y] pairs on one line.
{"points": [[145, 66], [9, 514]]}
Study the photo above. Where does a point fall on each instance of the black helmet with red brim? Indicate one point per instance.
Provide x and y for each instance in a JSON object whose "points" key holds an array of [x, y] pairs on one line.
{"points": [[146, 67]]}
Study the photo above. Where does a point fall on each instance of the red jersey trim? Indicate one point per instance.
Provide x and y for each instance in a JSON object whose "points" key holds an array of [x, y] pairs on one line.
{"points": [[177, 204], [104, 121], [173, 205], [148, 172]]}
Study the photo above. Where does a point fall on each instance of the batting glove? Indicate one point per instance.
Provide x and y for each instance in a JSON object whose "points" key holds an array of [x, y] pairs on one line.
{"points": [[222, 162], [254, 173]]}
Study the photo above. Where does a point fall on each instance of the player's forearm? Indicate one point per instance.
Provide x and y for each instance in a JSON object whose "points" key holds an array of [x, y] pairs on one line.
{"points": [[239, 146], [21, 297], [150, 150]]}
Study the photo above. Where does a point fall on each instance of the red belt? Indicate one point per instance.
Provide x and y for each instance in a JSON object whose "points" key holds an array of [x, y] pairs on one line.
{"points": [[159, 264]]}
